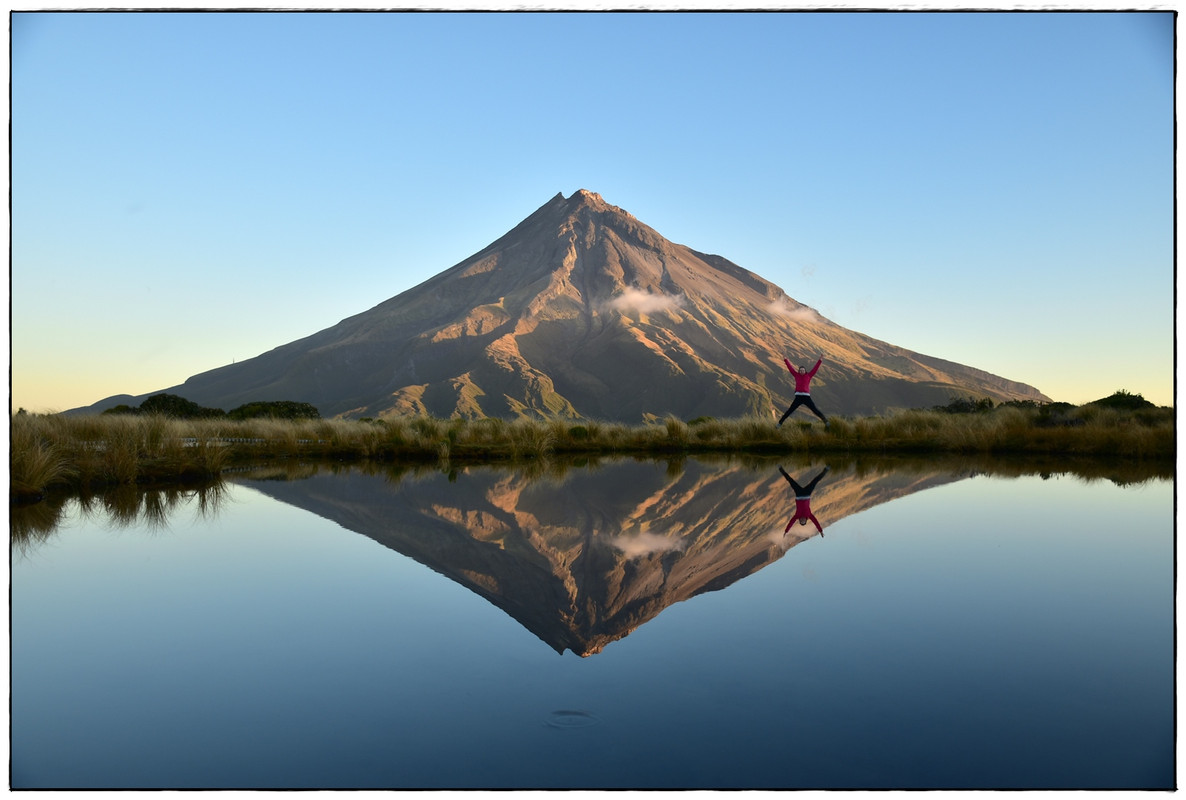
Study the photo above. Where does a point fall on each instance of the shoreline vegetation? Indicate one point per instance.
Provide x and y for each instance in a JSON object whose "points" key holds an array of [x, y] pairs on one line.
{"points": [[94, 452]]}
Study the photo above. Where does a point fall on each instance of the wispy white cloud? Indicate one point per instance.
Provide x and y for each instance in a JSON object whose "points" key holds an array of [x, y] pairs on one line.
{"points": [[645, 302], [786, 540], [645, 544], [783, 308], [780, 540]]}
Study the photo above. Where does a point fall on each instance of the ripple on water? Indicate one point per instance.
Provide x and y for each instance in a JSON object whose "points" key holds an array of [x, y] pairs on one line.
{"points": [[571, 719]]}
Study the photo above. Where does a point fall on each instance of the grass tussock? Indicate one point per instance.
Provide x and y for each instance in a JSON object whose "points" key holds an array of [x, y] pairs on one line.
{"points": [[88, 452]]}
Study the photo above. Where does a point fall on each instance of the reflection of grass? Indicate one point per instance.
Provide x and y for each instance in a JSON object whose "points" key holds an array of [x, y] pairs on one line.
{"points": [[112, 450], [155, 507], [31, 524]]}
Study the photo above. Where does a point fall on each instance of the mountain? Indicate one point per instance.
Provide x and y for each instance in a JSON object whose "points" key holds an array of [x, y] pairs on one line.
{"points": [[583, 311], [584, 560]]}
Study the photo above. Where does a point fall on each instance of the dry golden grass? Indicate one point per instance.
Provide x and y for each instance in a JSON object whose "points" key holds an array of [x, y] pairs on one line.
{"points": [[90, 451], [35, 463]]}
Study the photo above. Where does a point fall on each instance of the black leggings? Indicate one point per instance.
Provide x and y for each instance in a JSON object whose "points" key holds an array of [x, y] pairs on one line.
{"points": [[802, 400], [803, 491]]}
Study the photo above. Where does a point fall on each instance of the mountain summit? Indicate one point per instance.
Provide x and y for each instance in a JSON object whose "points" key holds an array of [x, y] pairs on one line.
{"points": [[581, 310]]}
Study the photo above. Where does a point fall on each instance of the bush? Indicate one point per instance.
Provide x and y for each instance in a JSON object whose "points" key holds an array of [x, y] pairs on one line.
{"points": [[966, 405], [1124, 401], [176, 407], [171, 405], [123, 408], [275, 409]]}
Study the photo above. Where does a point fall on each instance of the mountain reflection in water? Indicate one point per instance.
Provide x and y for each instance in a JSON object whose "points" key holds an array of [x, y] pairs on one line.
{"points": [[579, 555], [981, 635], [583, 558]]}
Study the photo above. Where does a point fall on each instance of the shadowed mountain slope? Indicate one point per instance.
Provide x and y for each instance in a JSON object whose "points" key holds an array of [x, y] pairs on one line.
{"points": [[584, 560], [583, 311]]}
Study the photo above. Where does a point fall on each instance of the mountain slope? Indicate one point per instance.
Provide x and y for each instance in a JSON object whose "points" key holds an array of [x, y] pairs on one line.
{"points": [[583, 311]]}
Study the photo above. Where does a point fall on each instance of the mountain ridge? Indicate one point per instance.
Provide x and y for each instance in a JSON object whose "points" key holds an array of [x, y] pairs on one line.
{"points": [[583, 311]]}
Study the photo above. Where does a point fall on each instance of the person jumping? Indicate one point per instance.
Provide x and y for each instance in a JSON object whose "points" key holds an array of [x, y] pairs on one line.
{"points": [[803, 390], [803, 501]]}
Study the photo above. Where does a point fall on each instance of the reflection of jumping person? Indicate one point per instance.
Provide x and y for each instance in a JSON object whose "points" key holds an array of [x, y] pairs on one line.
{"points": [[803, 391], [803, 501]]}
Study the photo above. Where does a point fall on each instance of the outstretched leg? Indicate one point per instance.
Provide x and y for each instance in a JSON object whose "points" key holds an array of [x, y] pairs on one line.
{"points": [[807, 401], [794, 485], [798, 401], [809, 488], [802, 491]]}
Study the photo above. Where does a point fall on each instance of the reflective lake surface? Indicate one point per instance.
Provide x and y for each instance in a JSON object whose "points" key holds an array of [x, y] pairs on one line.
{"points": [[629, 624]]}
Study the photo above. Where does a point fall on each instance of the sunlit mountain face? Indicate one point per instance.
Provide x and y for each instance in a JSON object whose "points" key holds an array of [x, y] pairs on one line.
{"points": [[585, 558], [583, 311]]}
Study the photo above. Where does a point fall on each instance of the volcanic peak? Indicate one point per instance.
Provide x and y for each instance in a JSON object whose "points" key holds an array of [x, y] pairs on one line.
{"points": [[582, 310], [591, 199]]}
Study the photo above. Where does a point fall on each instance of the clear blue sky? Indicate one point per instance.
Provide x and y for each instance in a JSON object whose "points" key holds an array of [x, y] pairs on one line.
{"points": [[192, 189]]}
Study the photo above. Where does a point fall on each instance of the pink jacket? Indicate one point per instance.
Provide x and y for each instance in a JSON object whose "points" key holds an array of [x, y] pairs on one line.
{"points": [[802, 379], [803, 509]]}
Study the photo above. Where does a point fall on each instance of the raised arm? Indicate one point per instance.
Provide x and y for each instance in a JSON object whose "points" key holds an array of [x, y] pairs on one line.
{"points": [[813, 369]]}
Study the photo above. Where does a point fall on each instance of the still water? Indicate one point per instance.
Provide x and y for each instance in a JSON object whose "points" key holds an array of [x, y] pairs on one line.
{"points": [[629, 624]]}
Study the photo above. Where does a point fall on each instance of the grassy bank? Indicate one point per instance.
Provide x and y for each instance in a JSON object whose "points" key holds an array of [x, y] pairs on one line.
{"points": [[111, 450]]}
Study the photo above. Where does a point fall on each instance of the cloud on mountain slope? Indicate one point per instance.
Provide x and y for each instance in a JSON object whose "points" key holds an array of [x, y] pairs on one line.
{"points": [[782, 308], [645, 302], [645, 544]]}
